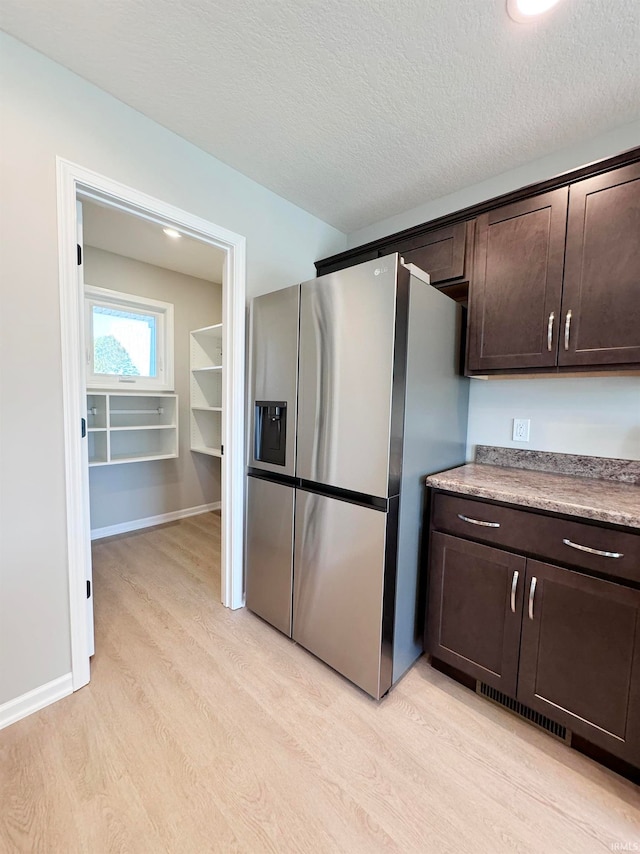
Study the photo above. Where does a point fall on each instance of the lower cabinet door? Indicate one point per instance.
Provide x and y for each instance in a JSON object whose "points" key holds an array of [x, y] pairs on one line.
{"points": [[475, 609], [580, 656]]}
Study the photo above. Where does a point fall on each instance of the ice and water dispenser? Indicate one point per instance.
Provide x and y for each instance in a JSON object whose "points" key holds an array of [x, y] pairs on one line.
{"points": [[271, 432]]}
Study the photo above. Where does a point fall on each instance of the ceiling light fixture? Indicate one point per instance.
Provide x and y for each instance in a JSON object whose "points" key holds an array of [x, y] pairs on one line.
{"points": [[525, 11], [171, 232]]}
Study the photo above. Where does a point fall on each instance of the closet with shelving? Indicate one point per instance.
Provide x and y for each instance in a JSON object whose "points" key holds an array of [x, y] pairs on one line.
{"points": [[150, 455]]}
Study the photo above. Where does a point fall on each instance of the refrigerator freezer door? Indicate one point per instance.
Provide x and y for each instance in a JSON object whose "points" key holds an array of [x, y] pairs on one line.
{"points": [[269, 551], [347, 336], [338, 588], [274, 370]]}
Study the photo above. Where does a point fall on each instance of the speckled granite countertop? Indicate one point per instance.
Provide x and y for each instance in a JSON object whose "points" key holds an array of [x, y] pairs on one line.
{"points": [[591, 498]]}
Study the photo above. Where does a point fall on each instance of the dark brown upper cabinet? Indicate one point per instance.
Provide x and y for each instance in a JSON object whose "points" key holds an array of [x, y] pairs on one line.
{"points": [[521, 246], [439, 253], [552, 270], [443, 253], [557, 279], [516, 291], [601, 297]]}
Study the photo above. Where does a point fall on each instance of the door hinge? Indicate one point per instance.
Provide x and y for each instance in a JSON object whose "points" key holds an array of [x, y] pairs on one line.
{"points": [[88, 589], [222, 450], [83, 428], [79, 254]]}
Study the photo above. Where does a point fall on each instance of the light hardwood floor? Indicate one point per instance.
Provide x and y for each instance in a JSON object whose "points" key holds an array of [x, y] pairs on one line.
{"points": [[206, 730]]}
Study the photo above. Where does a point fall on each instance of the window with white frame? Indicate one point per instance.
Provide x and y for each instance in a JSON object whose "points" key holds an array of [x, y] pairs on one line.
{"points": [[129, 341]]}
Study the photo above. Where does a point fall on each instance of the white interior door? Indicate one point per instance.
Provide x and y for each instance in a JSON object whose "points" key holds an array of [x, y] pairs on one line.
{"points": [[85, 441]]}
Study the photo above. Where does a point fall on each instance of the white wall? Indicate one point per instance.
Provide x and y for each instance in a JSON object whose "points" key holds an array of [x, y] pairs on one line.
{"points": [[130, 491], [586, 415], [48, 111], [605, 145]]}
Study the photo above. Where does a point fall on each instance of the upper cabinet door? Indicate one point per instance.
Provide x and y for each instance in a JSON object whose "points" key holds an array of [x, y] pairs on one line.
{"points": [[517, 284], [601, 301], [440, 253]]}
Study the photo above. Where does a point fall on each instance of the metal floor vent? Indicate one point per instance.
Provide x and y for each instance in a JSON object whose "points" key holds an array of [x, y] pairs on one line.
{"points": [[523, 711]]}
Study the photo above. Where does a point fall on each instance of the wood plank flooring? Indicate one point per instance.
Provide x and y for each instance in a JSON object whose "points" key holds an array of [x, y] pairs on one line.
{"points": [[205, 730]]}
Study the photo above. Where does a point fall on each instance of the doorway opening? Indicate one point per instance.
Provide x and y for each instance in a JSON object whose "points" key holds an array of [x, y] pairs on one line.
{"points": [[125, 418]]}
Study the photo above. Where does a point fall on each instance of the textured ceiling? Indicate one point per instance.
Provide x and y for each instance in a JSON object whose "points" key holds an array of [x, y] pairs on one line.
{"points": [[125, 234], [354, 110]]}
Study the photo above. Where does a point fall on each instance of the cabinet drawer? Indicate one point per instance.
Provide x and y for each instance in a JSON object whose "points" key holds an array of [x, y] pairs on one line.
{"points": [[543, 536]]}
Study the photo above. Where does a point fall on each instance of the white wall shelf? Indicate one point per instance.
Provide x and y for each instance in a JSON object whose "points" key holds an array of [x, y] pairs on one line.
{"points": [[206, 390], [214, 331], [128, 428]]}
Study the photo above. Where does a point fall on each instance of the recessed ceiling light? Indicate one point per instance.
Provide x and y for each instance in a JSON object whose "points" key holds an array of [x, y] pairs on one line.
{"points": [[171, 232], [524, 11]]}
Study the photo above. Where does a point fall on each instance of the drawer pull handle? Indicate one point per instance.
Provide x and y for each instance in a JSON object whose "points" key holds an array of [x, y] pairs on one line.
{"points": [[592, 551], [552, 317], [478, 522], [532, 593], [514, 587]]}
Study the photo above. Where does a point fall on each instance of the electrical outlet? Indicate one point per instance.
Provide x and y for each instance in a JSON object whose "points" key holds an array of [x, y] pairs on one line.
{"points": [[521, 429]]}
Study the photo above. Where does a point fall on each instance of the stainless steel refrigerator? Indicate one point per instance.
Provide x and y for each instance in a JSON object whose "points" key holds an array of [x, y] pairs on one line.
{"points": [[355, 396]]}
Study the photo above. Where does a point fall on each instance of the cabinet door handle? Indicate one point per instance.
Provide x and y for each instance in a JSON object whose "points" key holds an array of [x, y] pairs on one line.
{"points": [[592, 551], [514, 587], [532, 593], [552, 318], [478, 522], [567, 328]]}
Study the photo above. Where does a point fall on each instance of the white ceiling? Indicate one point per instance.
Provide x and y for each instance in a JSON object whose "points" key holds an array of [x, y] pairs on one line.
{"points": [[355, 111], [125, 234]]}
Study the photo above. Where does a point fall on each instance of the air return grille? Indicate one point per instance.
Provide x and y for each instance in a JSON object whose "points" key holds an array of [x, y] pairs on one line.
{"points": [[523, 711]]}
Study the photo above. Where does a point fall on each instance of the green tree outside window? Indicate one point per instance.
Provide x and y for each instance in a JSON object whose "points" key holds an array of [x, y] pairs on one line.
{"points": [[110, 357]]}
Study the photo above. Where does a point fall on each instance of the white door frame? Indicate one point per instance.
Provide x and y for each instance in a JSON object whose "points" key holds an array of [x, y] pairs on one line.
{"points": [[73, 181]]}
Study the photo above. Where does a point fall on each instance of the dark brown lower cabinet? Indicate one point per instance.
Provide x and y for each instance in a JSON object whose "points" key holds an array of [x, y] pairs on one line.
{"points": [[475, 609], [562, 643], [580, 656]]}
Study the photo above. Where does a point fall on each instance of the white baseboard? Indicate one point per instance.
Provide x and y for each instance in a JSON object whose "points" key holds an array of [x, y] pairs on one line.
{"points": [[150, 521], [35, 700]]}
